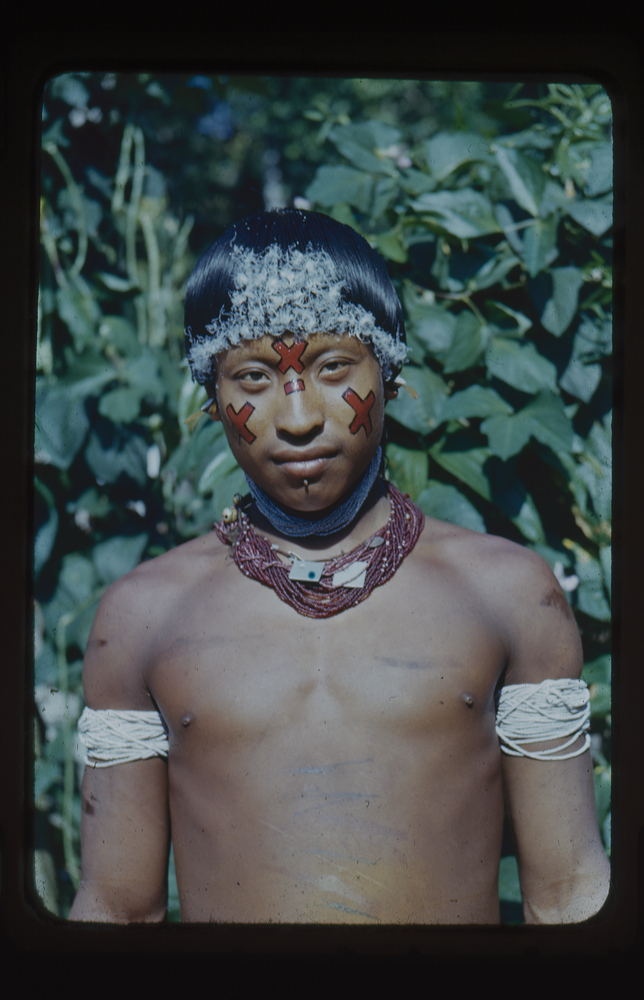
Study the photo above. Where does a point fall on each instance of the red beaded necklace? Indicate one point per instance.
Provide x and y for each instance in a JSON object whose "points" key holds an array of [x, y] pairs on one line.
{"points": [[381, 556]]}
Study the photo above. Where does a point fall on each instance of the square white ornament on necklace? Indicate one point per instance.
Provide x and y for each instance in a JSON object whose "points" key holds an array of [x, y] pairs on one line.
{"points": [[352, 576], [308, 572]]}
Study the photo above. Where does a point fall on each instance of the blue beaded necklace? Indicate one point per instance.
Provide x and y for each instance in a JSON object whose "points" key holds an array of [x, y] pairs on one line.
{"points": [[299, 527]]}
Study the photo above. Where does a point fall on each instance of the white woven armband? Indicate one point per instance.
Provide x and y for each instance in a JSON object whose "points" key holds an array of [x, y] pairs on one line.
{"points": [[531, 713], [113, 737]]}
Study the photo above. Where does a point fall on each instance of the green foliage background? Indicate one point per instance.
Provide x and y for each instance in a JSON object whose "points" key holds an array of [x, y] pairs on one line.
{"points": [[491, 204]]}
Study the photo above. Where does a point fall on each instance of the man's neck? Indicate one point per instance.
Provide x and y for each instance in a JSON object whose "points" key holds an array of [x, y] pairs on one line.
{"points": [[373, 515]]}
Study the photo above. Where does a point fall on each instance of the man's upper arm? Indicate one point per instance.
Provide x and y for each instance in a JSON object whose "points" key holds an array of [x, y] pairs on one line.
{"points": [[124, 808], [562, 864]]}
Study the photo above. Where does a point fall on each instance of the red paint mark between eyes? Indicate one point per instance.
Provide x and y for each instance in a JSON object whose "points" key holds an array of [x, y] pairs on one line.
{"points": [[295, 385], [362, 408], [290, 355], [238, 420]]}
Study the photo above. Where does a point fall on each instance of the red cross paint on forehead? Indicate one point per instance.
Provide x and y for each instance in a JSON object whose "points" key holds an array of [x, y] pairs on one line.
{"points": [[295, 385], [238, 420], [290, 356], [362, 408]]}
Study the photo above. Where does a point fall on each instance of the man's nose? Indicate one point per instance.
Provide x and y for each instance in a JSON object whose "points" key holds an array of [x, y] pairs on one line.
{"points": [[300, 413]]}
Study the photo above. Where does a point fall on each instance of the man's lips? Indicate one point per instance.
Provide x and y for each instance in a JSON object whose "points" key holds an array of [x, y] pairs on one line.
{"points": [[304, 465]]}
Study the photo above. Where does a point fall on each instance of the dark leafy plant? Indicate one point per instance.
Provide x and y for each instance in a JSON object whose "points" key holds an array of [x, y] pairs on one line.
{"points": [[493, 210]]}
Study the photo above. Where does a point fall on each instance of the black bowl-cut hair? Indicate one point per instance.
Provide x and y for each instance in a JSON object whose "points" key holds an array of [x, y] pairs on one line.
{"points": [[366, 281]]}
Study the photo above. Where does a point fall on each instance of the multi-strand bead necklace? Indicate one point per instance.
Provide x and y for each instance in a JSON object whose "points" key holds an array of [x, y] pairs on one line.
{"points": [[375, 560]]}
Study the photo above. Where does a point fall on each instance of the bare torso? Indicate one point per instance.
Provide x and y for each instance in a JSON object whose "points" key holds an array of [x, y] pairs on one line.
{"points": [[339, 770]]}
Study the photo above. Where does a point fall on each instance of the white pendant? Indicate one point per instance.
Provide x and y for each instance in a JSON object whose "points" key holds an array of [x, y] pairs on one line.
{"points": [[309, 572], [353, 576]]}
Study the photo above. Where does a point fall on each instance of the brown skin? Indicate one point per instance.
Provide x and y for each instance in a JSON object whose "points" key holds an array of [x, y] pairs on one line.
{"points": [[343, 770]]}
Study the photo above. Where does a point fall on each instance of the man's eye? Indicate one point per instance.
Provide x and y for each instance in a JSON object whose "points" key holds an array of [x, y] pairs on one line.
{"points": [[333, 366], [252, 376]]}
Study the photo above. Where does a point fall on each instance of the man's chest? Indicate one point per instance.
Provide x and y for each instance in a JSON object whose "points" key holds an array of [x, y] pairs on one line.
{"points": [[415, 654]]}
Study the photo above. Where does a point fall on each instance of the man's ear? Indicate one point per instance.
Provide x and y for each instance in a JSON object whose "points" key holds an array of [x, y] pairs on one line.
{"points": [[390, 394]]}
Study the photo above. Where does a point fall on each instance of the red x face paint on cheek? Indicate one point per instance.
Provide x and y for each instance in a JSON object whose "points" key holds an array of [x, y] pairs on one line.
{"points": [[290, 356], [238, 420], [362, 408], [295, 385]]}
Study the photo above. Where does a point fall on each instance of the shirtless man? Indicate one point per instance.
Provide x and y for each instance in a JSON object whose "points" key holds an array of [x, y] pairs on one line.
{"points": [[324, 749]]}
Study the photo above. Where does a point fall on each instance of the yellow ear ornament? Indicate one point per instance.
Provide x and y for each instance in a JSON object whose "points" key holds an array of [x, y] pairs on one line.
{"points": [[210, 407]]}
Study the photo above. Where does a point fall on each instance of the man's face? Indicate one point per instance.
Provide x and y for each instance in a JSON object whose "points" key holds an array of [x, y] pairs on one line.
{"points": [[298, 409]]}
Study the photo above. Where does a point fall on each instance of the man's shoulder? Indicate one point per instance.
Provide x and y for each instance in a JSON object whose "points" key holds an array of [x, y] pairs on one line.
{"points": [[166, 574], [139, 611], [490, 561]]}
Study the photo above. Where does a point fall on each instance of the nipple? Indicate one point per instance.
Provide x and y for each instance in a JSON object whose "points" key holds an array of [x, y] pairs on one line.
{"points": [[468, 699], [187, 719]]}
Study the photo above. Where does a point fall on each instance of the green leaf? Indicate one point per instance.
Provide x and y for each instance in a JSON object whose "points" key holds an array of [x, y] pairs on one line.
{"points": [[407, 468], [591, 598], [334, 184], [540, 244], [599, 179], [509, 885], [598, 671], [121, 334], [46, 773], [507, 435], [595, 216], [390, 246], [415, 182], [581, 380], [122, 457], [599, 442], [80, 313], [221, 466], [122, 406], [117, 556], [385, 191], [529, 523], [446, 503], [589, 163], [46, 534], [475, 401], [95, 504], [60, 427], [70, 89], [421, 415], [77, 578], [525, 177], [551, 426], [494, 270], [430, 323], [594, 339], [435, 331], [447, 151], [463, 463], [368, 135], [562, 304], [543, 419], [520, 365], [358, 155], [510, 322], [465, 213], [468, 343], [145, 378]]}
